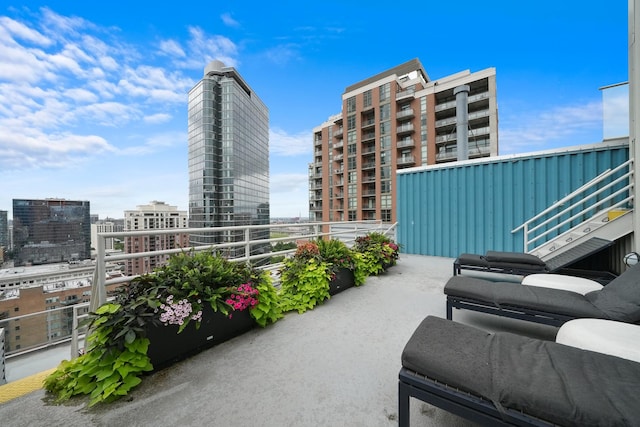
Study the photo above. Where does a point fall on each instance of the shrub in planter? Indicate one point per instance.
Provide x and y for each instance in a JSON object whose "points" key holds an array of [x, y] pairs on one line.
{"points": [[379, 252], [174, 295], [306, 277]]}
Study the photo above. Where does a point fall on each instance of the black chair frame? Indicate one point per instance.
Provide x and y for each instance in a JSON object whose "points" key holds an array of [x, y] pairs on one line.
{"points": [[458, 402]]}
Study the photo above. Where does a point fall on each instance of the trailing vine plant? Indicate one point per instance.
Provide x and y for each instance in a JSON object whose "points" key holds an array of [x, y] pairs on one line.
{"points": [[109, 369], [116, 355]]}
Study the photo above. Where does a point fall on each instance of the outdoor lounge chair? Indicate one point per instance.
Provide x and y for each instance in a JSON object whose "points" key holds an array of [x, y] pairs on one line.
{"points": [[507, 379], [523, 264], [500, 262], [619, 300]]}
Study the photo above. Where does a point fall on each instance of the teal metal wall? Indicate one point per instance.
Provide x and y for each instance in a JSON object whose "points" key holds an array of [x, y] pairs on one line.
{"points": [[472, 206]]}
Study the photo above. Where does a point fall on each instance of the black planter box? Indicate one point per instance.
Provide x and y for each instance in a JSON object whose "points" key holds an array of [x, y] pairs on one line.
{"points": [[343, 279], [168, 346]]}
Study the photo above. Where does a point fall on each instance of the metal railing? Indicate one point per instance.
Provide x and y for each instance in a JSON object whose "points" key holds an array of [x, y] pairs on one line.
{"points": [[302, 231], [60, 324], [3, 375], [73, 334], [609, 190]]}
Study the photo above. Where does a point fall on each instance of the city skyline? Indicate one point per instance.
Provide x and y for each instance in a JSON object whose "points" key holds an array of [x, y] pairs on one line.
{"points": [[93, 97]]}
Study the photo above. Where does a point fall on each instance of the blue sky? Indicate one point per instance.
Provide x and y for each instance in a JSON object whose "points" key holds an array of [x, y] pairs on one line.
{"points": [[93, 95]]}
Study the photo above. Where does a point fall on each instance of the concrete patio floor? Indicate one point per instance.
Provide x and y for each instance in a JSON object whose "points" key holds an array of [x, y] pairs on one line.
{"points": [[336, 365]]}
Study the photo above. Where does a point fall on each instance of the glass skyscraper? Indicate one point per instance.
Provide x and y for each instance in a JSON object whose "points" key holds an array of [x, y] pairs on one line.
{"points": [[50, 231], [228, 156]]}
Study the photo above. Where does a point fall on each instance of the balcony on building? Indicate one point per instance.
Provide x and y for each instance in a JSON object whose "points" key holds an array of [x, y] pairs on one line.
{"points": [[315, 206], [449, 121], [315, 194], [369, 215], [405, 95], [316, 185], [368, 123], [368, 149], [405, 142], [405, 113], [406, 160], [370, 177], [404, 129], [368, 136], [369, 204], [368, 165], [477, 148], [369, 189]]}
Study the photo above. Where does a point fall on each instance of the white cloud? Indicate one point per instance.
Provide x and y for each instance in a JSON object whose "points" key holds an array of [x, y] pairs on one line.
{"points": [[561, 126], [228, 20], [288, 183], [204, 48], [282, 54], [172, 48], [283, 144], [21, 31], [157, 118], [616, 111], [22, 151], [156, 142], [289, 195], [81, 95]]}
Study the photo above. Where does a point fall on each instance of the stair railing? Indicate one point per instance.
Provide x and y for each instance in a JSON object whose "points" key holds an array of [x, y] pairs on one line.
{"points": [[531, 226]]}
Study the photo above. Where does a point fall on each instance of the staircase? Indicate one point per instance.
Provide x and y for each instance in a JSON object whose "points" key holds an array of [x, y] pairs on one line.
{"points": [[583, 222]]}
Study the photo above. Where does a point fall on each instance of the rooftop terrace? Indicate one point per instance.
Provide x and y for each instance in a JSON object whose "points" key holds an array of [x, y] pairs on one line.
{"points": [[336, 365]]}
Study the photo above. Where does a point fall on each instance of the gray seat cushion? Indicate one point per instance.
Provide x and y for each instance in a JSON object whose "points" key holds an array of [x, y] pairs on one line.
{"points": [[620, 299], [554, 382], [472, 259], [504, 294], [514, 257]]}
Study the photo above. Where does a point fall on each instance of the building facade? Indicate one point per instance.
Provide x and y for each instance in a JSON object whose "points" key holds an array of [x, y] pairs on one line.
{"points": [[106, 226], [154, 216], [397, 119], [4, 234], [50, 231], [36, 303], [228, 129]]}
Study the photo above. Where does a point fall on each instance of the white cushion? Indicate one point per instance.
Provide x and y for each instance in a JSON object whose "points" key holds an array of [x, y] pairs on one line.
{"points": [[559, 281], [603, 336]]}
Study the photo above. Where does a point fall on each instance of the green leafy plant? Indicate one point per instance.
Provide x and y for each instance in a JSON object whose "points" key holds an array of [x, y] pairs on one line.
{"points": [[110, 368], [379, 252], [306, 276], [338, 255], [304, 284], [268, 309], [173, 294]]}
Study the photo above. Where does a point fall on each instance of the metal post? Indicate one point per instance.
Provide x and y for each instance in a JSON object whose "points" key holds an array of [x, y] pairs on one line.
{"points": [[462, 121], [247, 246], [98, 287], [634, 112], [3, 377]]}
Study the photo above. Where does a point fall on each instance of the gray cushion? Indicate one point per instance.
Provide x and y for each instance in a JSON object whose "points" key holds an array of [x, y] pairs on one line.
{"points": [[514, 257], [472, 259], [620, 299], [554, 382], [504, 294]]}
